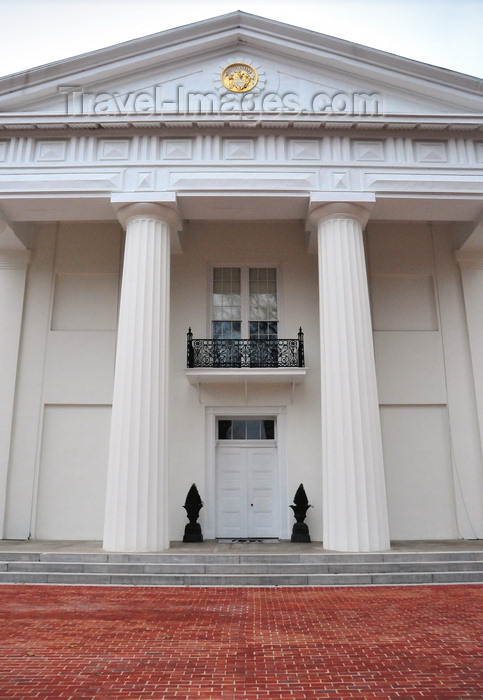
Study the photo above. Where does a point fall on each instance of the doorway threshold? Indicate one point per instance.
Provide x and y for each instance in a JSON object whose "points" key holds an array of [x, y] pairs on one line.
{"points": [[248, 540]]}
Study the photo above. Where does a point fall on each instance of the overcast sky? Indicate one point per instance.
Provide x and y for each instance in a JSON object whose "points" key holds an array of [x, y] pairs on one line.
{"points": [[445, 33]]}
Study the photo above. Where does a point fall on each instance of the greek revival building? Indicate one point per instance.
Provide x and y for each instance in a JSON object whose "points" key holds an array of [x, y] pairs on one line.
{"points": [[246, 256]]}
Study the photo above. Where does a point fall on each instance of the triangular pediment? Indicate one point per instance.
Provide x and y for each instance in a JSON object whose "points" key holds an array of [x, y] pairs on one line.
{"points": [[178, 72]]}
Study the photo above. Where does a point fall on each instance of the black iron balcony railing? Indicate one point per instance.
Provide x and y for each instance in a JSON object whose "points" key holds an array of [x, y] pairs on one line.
{"points": [[239, 352]]}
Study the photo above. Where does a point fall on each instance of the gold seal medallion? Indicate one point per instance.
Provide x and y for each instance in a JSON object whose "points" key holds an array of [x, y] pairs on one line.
{"points": [[239, 77]]}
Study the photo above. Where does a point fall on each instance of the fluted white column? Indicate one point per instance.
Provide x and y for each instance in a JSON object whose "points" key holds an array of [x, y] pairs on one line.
{"points": [[354, 499], [136, 500]]}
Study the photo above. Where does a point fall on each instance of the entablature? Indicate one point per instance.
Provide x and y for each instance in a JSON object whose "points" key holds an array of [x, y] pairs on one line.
{"points": [[242, 146], [213, 168]]}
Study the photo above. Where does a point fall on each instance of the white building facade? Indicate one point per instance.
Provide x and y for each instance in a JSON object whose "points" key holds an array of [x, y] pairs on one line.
{"points": [[247, 256]]}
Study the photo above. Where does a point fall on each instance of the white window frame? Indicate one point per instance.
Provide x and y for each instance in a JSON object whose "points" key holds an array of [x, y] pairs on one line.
{"points": [[227, 443], [245, 294]]}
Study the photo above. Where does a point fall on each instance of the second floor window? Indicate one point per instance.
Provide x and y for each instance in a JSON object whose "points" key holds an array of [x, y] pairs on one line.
{"points": [[245, 303]]}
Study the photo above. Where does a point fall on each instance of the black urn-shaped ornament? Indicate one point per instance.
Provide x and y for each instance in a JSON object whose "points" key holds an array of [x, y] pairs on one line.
{"points": [[193, 505], [300, 531]]}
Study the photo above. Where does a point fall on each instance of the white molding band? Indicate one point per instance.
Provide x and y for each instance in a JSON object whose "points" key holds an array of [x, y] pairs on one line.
{"points": [[14, 259], [469, 260], [354, 498], [136, 516]]}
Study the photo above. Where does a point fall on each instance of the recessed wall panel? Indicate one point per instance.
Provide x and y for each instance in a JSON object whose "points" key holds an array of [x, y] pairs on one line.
{"points": [[417, 458], [410, 367], [403, 303], [72, 472], [85, 302]]}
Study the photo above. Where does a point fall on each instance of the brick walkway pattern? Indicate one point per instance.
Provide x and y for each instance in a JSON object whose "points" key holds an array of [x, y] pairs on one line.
{"points": [[291, 643]]}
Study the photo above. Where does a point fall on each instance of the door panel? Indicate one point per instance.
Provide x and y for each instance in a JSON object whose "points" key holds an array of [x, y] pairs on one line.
{"points": [[231, 492], [247, 492]]}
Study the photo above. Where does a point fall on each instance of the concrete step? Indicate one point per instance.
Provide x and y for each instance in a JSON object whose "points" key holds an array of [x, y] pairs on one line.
{"points": [[240, 558], [281, 569], [236, 579], [239, 569]]}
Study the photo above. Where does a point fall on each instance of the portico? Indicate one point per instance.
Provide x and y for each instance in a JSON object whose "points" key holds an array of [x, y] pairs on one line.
{"points": [[330, 262], [138, 455]]}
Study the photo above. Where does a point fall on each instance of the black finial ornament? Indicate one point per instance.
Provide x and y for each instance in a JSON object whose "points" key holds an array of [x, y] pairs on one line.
{"points": [[193, 505], [300, 531]]}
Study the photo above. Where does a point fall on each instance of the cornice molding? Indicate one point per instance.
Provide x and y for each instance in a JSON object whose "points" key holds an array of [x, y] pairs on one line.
{"points": [[389, 123]]}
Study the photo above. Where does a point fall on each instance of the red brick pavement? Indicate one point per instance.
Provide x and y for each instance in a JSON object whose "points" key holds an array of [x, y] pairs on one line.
{"points": [[241, 643]]}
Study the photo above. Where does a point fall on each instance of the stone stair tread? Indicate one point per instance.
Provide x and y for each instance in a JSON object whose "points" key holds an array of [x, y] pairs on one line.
{"points": [[154, 558], [241, 569], [239, 579], [148, 566]]}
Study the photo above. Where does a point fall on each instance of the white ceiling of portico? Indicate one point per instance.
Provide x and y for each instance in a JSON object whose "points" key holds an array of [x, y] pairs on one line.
{"points": [[298, 69]]}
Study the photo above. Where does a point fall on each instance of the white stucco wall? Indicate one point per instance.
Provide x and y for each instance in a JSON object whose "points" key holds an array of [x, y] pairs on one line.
{"points": [[244, 243], [56, 481], [428, 412], [58, 458]]}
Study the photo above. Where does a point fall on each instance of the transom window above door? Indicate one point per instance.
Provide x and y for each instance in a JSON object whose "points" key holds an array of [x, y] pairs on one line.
{"points": [[245, 303], [246, 429]]}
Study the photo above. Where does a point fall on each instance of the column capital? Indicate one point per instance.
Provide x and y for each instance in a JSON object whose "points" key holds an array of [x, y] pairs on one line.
{"points": [[356, 211], [149, 210]]}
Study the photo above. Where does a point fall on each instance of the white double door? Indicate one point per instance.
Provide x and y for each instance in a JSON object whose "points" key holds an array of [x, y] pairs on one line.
{"points": [[247, 491]]}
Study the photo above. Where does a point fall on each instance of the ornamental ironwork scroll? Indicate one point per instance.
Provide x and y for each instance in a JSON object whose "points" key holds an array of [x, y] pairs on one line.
{"points": [[239, 352]]}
